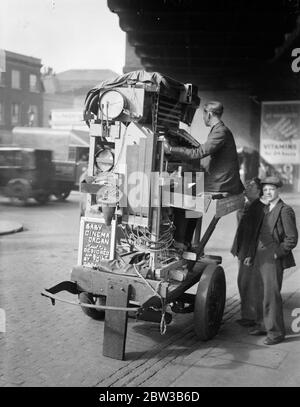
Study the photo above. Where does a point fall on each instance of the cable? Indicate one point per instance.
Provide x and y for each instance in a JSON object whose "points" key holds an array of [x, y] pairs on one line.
{"points": [[144, 240], [163, 324]]}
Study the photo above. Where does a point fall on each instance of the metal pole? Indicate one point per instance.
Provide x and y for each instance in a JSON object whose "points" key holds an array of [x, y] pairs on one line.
{"points": [[156, 212]]}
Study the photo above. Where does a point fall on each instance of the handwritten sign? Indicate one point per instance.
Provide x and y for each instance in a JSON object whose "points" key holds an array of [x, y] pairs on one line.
{"points": [[96, 241]]}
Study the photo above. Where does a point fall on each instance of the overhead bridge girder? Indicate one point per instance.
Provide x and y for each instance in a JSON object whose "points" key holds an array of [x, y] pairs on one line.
{"points": [[198, 38], [221, 22], [173, 36], [203, 52], [164, 6]]}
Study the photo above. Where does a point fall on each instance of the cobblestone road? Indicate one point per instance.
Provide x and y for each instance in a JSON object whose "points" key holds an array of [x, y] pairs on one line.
{"points": [[60, 346]]}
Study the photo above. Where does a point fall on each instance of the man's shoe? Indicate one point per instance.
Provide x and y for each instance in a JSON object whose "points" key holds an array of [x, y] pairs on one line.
{"points": [[245, 322], [273, 341], [257, 332]]}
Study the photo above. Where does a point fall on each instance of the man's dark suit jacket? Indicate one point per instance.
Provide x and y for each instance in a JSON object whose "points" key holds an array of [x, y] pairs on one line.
{"points": [[246, 237], [284, 232], [222, 172]]}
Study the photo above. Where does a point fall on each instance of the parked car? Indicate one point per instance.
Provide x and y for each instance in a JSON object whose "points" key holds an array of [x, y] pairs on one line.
{"points": [[26, 173], [69, 154]]}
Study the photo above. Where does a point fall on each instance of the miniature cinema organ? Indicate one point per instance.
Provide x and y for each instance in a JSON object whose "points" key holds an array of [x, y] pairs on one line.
{"points": [[128, 121]]}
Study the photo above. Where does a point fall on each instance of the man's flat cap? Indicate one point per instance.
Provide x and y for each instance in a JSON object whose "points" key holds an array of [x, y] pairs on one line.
{"points": [[273, 180]]}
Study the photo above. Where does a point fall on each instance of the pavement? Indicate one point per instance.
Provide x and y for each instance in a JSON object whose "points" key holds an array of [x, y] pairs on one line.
{"points": [[8, 226], [232, 358], [61, 347]]}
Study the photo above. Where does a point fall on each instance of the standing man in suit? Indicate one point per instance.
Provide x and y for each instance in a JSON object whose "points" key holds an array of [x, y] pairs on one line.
{"points": [[221, 173], [277, 237], [244, 247]]}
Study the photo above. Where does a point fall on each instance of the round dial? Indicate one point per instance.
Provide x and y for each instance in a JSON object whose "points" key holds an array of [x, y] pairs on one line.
{"points": [[104, 160], [112, 104]]}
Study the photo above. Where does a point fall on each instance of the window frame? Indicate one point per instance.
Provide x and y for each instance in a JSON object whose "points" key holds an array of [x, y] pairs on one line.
{"points": [[2, 79], [12, 79], [35, 110], [2, 117], [35, 88], [19, 113]]}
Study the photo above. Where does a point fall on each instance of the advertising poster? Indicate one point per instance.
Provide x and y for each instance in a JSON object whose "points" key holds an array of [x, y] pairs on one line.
{"points": [[280, 139]]}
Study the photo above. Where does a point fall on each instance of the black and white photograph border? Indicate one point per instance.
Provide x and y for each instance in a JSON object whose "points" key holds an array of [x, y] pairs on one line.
{"points": [[220, 84]]}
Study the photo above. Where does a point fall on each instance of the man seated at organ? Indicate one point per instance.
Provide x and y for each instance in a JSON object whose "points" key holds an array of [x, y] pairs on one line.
{"points": [[222, 171]]}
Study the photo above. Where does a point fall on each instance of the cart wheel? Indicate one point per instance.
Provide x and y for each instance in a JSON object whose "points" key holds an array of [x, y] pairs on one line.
{"points": [[19, 190], [88, 298], [209, 302], [62, 195]]}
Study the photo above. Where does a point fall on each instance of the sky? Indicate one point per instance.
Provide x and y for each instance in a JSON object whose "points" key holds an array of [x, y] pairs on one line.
{"points": [[65, 34]]}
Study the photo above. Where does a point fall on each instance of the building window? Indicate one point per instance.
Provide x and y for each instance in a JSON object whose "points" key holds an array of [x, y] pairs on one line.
{"points": [[32, 115], [15, 113], [33, 83], [15, 79], [1, 113], [2, 78]]}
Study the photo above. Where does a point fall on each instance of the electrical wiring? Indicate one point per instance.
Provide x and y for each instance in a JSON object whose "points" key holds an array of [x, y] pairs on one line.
{"points": [[142, 239]]}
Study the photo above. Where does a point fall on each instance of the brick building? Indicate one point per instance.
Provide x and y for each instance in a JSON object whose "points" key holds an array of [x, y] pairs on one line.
{"points": [[65, 93], [21, 91]]}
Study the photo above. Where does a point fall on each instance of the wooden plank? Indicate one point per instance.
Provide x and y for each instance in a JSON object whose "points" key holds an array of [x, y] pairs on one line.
{"points": [[189, 202], [131, 168], [143, 189], [167, 120], [168, 115], [229, 204], [206, 236], [120, 150], [163, 271], [169, 109], [197, 232], [149, 166], [139, 159], [90, 171], [115, 327], [95, 282], [91, 156]]}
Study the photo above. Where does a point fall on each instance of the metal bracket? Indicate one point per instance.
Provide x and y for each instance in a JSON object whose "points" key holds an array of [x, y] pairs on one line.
{"points": [[69, 286]]}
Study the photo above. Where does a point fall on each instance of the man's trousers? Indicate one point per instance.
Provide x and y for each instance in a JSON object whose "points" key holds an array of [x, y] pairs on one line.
{"points": [[246, 286], [268, 278]]}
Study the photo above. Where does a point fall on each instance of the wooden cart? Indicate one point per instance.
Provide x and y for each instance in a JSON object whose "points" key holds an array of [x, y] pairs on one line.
{"points": [[139, 276]]}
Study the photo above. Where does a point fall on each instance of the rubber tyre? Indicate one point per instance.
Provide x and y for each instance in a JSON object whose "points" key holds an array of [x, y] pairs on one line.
{"points": [[209, 302], [42, 198], [93, 313], [19, 190], [61, 196]]}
